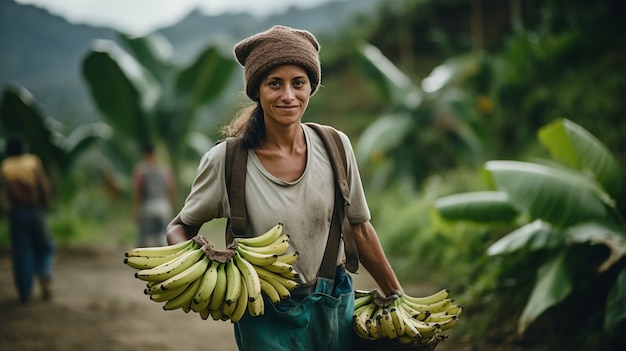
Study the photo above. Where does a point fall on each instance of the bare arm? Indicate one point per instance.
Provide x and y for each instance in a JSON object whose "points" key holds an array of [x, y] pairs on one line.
{"points": [[373, 258], [177, 231]]}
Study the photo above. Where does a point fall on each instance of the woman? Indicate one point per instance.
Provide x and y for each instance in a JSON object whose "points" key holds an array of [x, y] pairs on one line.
{"points": [[289, 180]]}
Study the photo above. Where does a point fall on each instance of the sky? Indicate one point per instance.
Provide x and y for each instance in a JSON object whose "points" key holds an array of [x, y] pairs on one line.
{"points": [[143, 16]]}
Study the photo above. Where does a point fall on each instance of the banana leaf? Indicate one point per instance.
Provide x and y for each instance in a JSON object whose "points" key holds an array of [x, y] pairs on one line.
{"points": [[21, 114], [554, 284], [576, 147], [121, 89], [537, 235], [553, 195], [382, 135], [395, 85], [616, 303], [154, 52], [480, 206]]}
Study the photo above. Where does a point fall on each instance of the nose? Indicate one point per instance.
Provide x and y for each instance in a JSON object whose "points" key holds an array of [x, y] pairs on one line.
{"points": [[288, 93]]}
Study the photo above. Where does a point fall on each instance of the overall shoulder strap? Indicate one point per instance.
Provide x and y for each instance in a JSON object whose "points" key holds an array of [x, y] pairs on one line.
{"points": [[235, 175], [340, 226]]}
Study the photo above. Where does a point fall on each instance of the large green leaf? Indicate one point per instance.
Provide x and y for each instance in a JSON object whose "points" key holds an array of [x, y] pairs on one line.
{"points": [[121, 88], [555, 195], [607, 234], [154, 52], [577, 148], [480, 206], [382, 135], [616, 303], [21, 114], [398, 86], [537, 235], [206, 78], [554, 284]]}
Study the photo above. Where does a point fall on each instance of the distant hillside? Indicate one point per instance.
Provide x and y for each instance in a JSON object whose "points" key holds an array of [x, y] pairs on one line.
{"points": [[43, 52]]}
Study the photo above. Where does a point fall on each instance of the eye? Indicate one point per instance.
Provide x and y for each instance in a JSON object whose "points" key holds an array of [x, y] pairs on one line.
{"points": [[299, 83], [274, 83]]}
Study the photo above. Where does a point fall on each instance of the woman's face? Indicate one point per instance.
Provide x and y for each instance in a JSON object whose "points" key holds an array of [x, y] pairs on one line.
{"points": [[284, 95]]}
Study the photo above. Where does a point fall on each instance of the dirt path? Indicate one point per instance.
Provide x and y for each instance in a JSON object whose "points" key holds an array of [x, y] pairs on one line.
{"points": [[99, 305]]}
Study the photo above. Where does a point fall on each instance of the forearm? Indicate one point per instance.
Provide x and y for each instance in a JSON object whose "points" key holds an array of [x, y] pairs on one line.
{"points": [[177, 231], [373, 259]]}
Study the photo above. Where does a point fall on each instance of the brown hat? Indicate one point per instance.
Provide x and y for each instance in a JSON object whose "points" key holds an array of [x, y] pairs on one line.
{"points": [[278, 46]]}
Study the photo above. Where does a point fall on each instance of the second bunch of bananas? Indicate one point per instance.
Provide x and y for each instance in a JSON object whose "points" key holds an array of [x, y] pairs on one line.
{"points": [[404, 319], [223, 284]]}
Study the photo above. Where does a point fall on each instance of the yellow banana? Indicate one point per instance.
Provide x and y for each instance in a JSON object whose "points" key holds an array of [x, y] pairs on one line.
{"points": [[219, 292], [278, 247], [205, 313], [281, 290], [398, 320], [183, 300], [203, 295], [360, 328], [256, 258], [167, 295], [242, 304], [427, 300], [172, 268], [256, 307], [250, 277], [388, 329], [279, 268], [265, 274], [433, 307], [187, 276], [270, 291], [288, 258], [373, 329], [159, 250], [145, 262], [264, 239], [447, 324]]}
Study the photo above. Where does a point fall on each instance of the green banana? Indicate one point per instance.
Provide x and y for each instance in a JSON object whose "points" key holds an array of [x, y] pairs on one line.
{"points": [[203, 295], [427, 300], [219, 292], [233, 288], [183, 300], [242, 303]]}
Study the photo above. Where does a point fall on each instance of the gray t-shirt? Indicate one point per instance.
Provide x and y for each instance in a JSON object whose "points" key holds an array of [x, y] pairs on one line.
{"points": [[304, 206]]}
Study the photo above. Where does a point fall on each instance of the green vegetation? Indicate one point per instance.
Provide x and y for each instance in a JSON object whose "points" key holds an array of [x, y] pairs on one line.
{"points": [[439, 98]]}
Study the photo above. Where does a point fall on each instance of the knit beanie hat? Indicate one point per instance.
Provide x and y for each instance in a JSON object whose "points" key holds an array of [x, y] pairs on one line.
{"points": [[278, 46]]}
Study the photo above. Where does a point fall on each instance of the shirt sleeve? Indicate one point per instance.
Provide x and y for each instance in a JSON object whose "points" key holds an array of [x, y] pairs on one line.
{"points": [[358, 210], [208, 198]]}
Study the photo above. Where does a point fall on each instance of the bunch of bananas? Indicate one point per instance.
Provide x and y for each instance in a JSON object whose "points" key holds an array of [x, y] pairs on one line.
{"points": [[404, 319], [223, 284]]}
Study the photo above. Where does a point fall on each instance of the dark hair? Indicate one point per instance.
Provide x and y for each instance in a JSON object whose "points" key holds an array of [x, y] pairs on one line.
{"points": [[15, 146], [147, 148], [249, 126]]}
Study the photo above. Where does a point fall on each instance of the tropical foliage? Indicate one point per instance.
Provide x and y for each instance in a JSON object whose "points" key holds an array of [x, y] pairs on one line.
{"points": [[565, 208], [60, 150], [148, 97]]}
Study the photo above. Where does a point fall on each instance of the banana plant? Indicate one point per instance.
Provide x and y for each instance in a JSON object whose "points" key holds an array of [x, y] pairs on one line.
{"points": [[572, 202], [429, 125], [21, 114], [145, 95]]}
